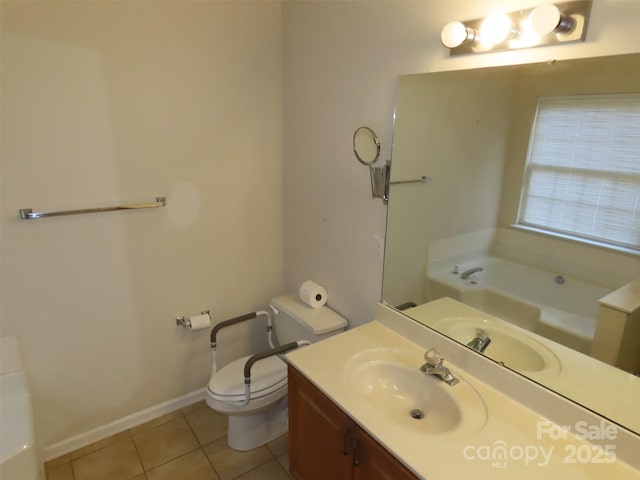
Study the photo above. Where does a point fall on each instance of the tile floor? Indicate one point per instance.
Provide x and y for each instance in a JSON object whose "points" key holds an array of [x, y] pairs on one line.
{"points": [[188, 444]]}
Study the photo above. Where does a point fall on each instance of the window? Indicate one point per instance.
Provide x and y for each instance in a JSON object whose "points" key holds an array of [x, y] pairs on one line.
{"points": [[582, 176]]}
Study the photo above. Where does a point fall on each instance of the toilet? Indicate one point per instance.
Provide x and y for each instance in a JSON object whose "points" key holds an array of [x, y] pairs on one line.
{"points": [[264, 418]]}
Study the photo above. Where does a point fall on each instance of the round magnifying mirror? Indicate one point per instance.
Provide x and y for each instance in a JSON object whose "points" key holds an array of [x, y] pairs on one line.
{"points": [[366, 146]]}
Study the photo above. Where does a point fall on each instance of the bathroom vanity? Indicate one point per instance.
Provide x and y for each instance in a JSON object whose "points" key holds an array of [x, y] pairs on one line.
{"points": [[326, 443], [360, 407]]}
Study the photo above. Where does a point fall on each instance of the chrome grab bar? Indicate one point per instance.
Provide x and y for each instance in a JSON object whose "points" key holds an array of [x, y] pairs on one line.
{"points": [[29, 214]]}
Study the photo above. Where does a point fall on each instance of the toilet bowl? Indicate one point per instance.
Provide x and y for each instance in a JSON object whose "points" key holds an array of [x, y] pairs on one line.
{"points": [[264, 417]]}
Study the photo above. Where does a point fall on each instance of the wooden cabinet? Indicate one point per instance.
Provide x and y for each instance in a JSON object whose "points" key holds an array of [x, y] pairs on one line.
{"points": [[325, 444]]}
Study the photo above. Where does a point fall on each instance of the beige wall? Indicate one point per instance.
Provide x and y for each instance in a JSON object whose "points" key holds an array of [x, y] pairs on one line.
{"points": [[108, 102], [341, 64], [456, 133]]}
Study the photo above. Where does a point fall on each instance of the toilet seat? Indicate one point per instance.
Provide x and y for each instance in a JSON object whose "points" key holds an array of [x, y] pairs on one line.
{"points": [[267, 376]]}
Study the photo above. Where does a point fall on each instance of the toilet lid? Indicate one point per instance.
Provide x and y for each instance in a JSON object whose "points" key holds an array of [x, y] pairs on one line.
{"points": [[267, 376]]}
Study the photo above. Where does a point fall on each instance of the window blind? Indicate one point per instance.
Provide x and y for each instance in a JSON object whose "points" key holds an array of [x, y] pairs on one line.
{"points": [[582, 176]]}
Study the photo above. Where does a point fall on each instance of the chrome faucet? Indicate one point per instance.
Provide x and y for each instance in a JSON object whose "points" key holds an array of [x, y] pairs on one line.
{"points": [[466, 274], [434, 367], [481, 341]]}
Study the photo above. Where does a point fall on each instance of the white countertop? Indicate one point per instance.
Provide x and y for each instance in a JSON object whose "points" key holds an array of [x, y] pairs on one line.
{"points": [[615, 391], [452, 455]]}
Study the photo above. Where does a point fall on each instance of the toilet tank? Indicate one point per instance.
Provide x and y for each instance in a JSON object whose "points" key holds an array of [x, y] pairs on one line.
{"points": [[294, 320]]}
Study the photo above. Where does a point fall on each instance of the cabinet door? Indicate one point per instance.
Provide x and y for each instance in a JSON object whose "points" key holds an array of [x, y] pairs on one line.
{"points": [[320, 434], [374, 462]]}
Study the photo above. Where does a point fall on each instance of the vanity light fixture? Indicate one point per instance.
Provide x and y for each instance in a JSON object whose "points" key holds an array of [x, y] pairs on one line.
{"points": [[546, 24]]}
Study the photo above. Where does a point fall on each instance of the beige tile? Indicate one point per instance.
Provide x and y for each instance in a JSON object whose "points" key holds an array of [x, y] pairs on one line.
{"points": [[270, 471], [60, 472], [192, 466], [194, 406], [283, 460], [279, 446], [207, 424], [115, 462], [231, 463], [57, 461], [156, 422], [164, 443], [105, 442]]}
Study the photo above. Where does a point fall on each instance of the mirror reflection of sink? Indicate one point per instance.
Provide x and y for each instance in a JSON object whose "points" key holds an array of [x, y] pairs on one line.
{"points": [[390, 384], [515, 349]]}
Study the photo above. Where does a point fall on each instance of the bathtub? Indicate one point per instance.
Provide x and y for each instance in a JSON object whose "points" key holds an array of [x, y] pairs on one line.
{"points": [[18, 458], [559, 307]]}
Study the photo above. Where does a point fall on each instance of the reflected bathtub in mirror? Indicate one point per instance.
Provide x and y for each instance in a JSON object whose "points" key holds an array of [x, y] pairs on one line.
{"points": [[469, 131]]}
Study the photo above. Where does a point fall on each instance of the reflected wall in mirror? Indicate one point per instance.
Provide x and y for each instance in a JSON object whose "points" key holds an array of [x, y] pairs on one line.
{"points": [[456, 237]]}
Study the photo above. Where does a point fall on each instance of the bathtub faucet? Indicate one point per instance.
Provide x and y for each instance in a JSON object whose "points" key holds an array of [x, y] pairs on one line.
{"points": [[466, 274], [481, 341]]}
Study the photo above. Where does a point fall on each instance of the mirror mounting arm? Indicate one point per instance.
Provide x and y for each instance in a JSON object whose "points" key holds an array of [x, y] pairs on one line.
{"points": [[380, 181]]}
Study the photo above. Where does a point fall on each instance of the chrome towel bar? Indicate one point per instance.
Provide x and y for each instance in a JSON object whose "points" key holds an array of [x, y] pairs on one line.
{"points": [[422, 179], [29, 214]]}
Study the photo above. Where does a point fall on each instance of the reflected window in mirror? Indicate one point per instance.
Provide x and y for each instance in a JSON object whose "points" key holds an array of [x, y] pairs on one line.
{"points": [[582, 176], [470, 131]]}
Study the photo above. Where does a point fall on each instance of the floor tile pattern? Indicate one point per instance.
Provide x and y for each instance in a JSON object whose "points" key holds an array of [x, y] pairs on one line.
{"points": [[188, 444]]}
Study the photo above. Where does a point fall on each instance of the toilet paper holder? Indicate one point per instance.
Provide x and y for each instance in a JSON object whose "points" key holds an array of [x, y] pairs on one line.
{"points": [[183, 321]]}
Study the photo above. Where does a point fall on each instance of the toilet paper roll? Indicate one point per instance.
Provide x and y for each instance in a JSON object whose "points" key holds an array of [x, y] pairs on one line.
{"points": [[313, 294], [198, 322]]}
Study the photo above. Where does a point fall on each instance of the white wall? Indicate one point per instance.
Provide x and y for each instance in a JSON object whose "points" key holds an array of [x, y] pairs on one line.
{"points": [[456, 134], [109, 102], [341, 64], [118, 101]]}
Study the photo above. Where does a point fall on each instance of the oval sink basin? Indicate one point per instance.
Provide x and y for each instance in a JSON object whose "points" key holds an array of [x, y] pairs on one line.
{"points": [[390, 384], [513, 348]]}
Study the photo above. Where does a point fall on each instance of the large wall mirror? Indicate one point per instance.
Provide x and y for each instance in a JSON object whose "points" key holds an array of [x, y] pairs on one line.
{"points": [[561, 310]]}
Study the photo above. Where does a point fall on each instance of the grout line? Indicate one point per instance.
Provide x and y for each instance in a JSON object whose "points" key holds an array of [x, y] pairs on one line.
{"points": [[171, 460], [191, 428], [211, 463], [107, 445], [135, 447], [179, 456], [202, 446], [156, 426], [73, 470]]}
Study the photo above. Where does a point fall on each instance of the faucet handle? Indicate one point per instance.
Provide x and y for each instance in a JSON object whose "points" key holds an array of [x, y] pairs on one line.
{"points": [[433, 358], [482, 334]]}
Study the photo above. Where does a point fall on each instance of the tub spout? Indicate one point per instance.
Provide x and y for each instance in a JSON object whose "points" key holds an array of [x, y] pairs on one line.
{"points": [[481, 341], [466, 274]]}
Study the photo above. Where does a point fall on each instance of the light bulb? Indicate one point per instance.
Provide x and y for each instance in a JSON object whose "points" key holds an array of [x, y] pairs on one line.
{"points": [[495, 28], [546, 18], [455, 34]]}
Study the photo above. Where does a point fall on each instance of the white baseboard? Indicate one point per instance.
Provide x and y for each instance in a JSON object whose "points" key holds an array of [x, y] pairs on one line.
{"points": [[82, 440]]}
